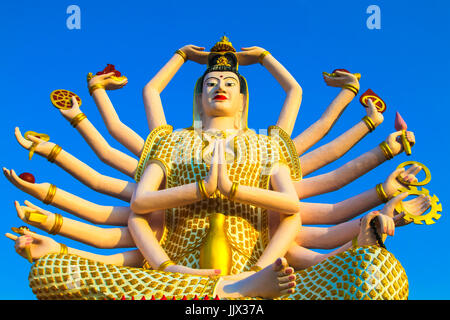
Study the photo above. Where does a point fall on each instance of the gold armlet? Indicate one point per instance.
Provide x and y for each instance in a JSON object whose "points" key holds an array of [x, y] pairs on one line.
{"points": [[50, 194], [381, 193], [369, 122], [57, 225], [262, 56], [255, 268], [95, 87], [233, 190], [202, 189], [386, 150], [352, 88], [182, 54], [77, 119], [63, 249], [165, 264], [54, 153]]}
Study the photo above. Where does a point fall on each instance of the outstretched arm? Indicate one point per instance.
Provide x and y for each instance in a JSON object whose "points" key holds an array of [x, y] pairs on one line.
{"points": [[95, 140], [152, 90], [107, 185], [104, 238], [121, 132], [41, 245], [108, 215], [320, 128], [335, 149], [293, 90], [148, 198], [347, 173]]}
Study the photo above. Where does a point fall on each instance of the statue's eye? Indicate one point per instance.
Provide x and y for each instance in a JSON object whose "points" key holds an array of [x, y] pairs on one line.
{"points": [[230, 84], [211, 84]]}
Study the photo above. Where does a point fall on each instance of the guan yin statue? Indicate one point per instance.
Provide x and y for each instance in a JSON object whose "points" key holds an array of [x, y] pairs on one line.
{"points": [[212, 210]]}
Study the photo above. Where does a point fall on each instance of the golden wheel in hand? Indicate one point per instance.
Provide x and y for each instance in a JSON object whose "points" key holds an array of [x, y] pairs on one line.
{"points": [[62, 99]]}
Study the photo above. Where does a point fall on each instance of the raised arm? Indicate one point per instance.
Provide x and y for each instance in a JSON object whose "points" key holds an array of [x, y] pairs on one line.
{"points": [[352, 170], [293, 90], [321, 127], [98, 144], [107, 185], [152, 90], [335, 149], [121, 132]]}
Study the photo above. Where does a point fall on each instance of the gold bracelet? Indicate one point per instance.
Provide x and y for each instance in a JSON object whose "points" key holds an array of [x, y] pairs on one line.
{"points": [[182, 54], [54, 153], [202, 188], [355, 242], [57, 225], [50, 194], [381, 193], [352, 88], [233, 190], [165, 264], [262, 56], [63, 249], [255, 268], [369, 122], [386, 150], [95, 87], [77, 119]]}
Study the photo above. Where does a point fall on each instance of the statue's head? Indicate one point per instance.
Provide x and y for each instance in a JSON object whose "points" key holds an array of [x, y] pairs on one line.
{"points": [[221, 90]]}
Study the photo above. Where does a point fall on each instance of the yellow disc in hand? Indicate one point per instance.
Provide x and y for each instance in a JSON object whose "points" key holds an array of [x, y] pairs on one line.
{"points": [[62, 99]]}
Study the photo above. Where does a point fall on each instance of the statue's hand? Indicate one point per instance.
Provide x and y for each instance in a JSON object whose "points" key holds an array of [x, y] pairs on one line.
{"points": [[107, 82], [249, 55], [37, 190], [393, 184], [39, 245], [372, 113], [69, 114], [416, 207], [341, 79], [212, 178], [196, 54], [394, 141], [224, 183], [43, 147], [45, 225]]}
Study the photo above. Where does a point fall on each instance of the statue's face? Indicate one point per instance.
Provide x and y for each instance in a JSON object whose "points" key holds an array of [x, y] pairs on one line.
{"points": [[221, 95]]}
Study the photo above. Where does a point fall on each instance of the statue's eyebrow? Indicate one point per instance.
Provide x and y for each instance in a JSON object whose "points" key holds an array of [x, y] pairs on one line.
{"points": [[230, 77], [211, 78]]}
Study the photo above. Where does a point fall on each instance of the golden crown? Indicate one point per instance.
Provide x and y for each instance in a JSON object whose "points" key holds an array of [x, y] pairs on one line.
{"points": [[224, 45]]}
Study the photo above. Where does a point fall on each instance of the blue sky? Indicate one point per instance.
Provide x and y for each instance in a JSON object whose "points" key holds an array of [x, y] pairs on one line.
{"points": [[405, 62]]}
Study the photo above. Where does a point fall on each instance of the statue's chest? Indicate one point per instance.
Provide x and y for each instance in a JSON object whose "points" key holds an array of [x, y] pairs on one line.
{"points": [[192, 158]]}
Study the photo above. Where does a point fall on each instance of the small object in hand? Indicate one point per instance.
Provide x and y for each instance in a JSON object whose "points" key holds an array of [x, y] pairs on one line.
{"points": [[35, 216], [334, 74], [110, 68], [28, 177], [62, 99], [400, 124], [20, 231], [376, 100]]}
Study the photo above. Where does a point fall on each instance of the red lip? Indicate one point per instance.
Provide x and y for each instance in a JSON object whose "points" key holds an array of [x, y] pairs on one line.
{"points": [[220, 97]]}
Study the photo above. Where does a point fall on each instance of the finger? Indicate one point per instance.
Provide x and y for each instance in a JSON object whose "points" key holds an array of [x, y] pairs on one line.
{"points": [[396, 173], [34, 235], [390, 206], [198, 48], [20, 211], [383, 223], [372, 106], [414, 169], [11, 236], [74, 102], [391, 227], [106, 75], [410, 137], [19, 137], [399, 217]]}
